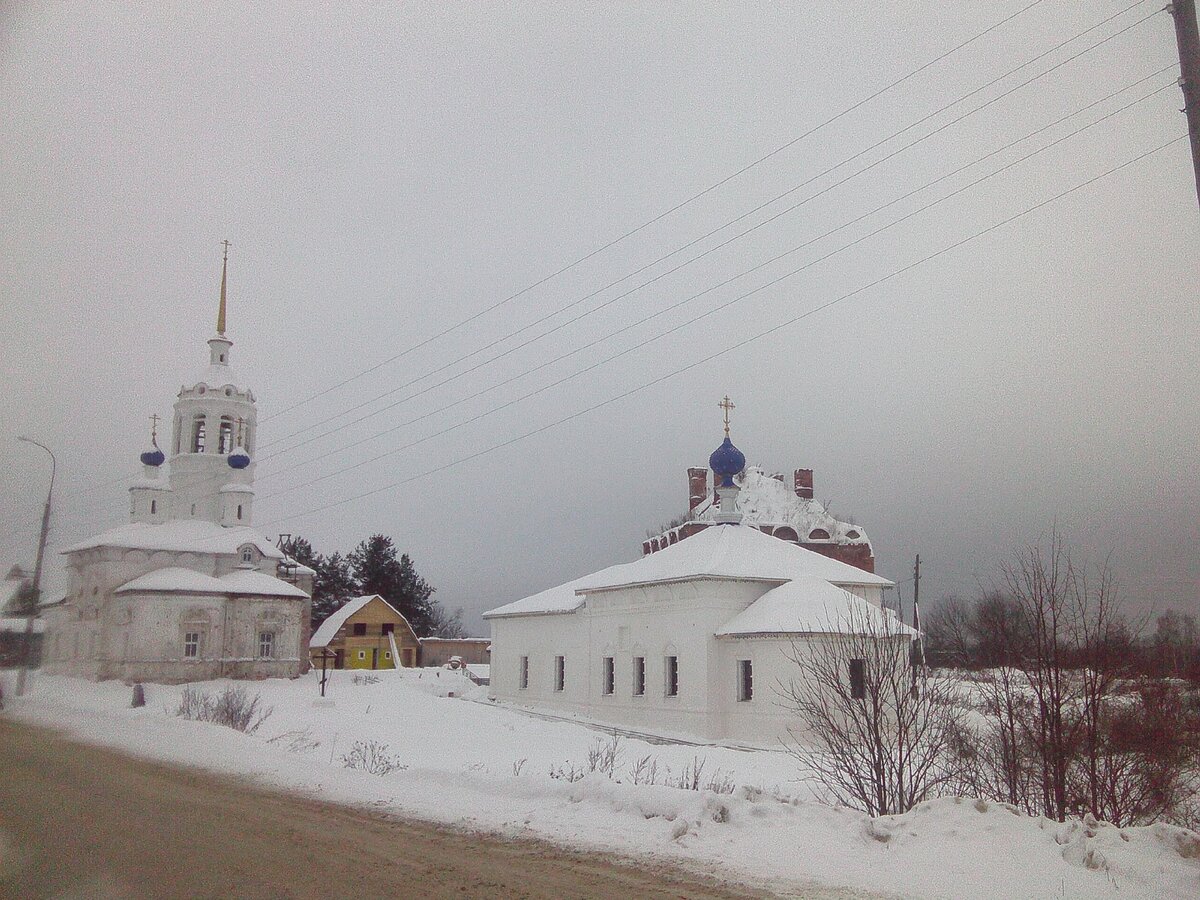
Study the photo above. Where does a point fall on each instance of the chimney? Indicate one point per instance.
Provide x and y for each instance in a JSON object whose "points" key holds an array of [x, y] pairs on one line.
{"points": [[804, 484], [697, 487]]}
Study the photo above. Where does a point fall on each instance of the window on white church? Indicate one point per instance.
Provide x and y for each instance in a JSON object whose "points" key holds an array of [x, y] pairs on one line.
{"points": [[191, 645], [153, 507], [639, 676], [239, 512], [225, 438], [198, 435], [609, 675], [247, 554], [671, 671], [524, 673], [266, 644], [858, 679], [560, 672], [745, 686]]}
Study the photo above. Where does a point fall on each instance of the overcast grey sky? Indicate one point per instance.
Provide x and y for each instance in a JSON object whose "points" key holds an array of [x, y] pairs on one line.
{"points": [[386, 171]]}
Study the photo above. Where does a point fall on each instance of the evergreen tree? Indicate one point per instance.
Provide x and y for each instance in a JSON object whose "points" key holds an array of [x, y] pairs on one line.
{"points": [[333, 584], [377, 570]]}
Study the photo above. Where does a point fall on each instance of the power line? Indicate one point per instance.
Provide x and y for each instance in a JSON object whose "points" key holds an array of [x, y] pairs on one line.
{"points": [[726, 304], [729, 303], [658, 218], [740, 344], [310, 438]]}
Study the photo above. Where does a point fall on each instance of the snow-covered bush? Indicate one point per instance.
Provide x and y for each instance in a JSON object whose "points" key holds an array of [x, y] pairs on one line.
{"points": [[232, 707], [372, 757]]}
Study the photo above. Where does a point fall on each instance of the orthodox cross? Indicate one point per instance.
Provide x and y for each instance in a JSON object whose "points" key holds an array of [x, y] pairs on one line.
{"points": [[154, 429], [727, 405], [240, 434]]}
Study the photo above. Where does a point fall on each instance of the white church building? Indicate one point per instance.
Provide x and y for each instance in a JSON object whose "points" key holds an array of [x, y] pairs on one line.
{"points": [[187, 590], [692, 640]]}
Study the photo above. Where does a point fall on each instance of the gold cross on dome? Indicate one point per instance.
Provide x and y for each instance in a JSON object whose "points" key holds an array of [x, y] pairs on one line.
{"points": [[154, 428], [727, 404]]}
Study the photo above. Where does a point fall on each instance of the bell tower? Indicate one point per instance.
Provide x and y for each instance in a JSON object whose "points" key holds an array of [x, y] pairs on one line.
{"points": [[213, 439]]}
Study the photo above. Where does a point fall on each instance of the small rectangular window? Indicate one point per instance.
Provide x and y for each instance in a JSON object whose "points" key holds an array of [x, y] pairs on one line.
{"points": [[191, 645], [745, 680], [360, 628], [560, 672], [609, 675], [671, 671], [389, 627], [524, 674], [858, 679], [639, 676], [266, 644], [362, 654]]}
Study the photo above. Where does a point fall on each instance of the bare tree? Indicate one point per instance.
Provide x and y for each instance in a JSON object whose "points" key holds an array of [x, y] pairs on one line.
{"points": [[870, 735]]}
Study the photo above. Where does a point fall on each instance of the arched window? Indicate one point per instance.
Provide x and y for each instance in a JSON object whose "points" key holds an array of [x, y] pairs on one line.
{"points": [[198, 434], [153, 507], [225, 441], [239, 512], [248, 553], [786, 534], [853, 535], [248, 440], [178, 433], [818, 534]]}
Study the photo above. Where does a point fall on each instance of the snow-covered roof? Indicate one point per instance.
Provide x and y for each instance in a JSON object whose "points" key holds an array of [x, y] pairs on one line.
{"points": [[247, 581], [560, 599], [730, 551], [181, 535], [217, 375], [722, 551], [175, 579], [329, 628], [811, 605], [297, 568], [763, 500]]}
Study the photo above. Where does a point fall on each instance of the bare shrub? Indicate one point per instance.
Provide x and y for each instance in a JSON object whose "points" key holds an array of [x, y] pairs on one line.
{"points": [[878, 741], [517, 766], [232, 707], [567, 772], [365, 679], [644, 771], [300, 741], [372, 757], [605, 756]]}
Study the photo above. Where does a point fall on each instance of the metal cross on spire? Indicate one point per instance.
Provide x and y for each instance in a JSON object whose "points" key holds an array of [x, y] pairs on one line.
{"points": [[727, 404], [154, 429]]}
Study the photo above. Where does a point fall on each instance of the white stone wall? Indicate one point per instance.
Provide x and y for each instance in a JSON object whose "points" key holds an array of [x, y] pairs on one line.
{"points": [[99, 634]]}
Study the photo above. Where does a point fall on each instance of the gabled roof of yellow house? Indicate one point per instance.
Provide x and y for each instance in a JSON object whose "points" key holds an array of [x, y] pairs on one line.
{"points": [[329, 628]]}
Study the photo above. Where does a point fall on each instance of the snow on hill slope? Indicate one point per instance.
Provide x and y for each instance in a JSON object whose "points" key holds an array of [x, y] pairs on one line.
{"points": [[476, 765]]}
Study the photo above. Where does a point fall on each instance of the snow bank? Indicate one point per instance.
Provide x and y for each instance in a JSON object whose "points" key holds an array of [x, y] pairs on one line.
{"points": [[482, 766]]}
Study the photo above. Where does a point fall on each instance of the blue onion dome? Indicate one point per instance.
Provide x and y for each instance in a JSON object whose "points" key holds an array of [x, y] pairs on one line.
{"points": [[239, 458], [153, 457], [726, 461]]}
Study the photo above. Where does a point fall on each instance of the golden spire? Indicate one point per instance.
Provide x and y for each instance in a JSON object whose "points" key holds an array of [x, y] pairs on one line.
{"points": [[221, 308], [727, 405]]}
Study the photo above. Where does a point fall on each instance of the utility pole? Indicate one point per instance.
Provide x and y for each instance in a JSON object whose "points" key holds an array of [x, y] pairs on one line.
{"points": [[917, 609], [1187, 37], [27, 652]]}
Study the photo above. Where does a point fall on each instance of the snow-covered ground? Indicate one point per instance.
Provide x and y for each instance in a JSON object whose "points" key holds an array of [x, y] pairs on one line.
{"points": [[477, 765]]}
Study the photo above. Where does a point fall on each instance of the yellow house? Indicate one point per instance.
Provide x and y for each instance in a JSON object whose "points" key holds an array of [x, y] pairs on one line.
{"points": [[363, 633]]}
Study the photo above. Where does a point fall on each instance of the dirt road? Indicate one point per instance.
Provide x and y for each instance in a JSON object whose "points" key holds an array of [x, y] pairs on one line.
{"points": [[77, 821]]}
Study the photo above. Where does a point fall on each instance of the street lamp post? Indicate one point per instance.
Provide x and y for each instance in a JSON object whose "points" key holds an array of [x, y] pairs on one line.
{"points": [[37, 568]]}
